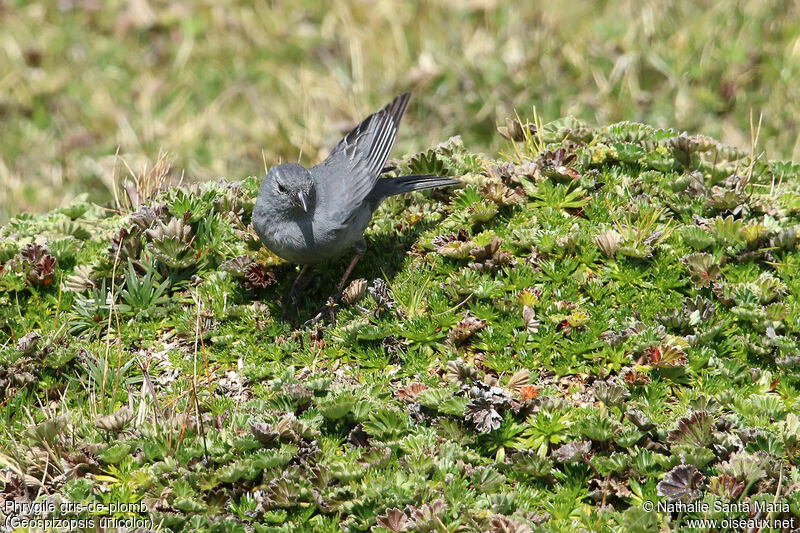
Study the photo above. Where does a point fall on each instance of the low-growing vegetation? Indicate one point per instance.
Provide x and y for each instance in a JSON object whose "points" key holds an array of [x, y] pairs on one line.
{"points": [[600, 318]]}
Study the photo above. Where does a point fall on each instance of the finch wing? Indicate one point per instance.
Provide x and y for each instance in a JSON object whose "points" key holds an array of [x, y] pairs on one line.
{"points": [[349, 173]]}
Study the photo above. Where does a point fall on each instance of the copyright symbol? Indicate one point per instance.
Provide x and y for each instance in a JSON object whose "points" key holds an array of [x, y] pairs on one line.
{"points": [[648, 506]]}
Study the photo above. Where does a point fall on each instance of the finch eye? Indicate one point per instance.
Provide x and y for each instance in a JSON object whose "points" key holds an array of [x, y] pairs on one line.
{"points": [[281, 189]]}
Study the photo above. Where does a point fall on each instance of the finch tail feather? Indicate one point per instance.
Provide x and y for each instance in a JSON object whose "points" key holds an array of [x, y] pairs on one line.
{"points": [[391, 186]]}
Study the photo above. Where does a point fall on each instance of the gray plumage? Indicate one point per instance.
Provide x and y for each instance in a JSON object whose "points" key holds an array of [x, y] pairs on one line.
{"points": [[312, 215]]}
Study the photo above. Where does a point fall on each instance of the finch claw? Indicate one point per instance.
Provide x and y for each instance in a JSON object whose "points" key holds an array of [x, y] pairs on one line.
{"points": [[329, 307]]}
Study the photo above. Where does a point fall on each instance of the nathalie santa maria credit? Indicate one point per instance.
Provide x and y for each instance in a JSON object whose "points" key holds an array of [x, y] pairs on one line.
{"points": [[719, 506]]}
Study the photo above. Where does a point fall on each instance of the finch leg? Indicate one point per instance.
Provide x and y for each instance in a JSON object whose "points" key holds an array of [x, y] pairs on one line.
{"points": [[330, 304], [292, 296]]}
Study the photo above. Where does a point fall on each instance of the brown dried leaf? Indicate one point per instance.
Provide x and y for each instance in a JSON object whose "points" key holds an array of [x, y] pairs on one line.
{"points": [[530, 320], [408, 393], [682, 483], [466, 328], [519, 380], [354, 291], [394, 520], [458, 372], [115, 421]]}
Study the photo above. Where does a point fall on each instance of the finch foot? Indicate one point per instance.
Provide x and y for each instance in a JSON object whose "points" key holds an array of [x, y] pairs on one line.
{"points": [[293, 293], [329, 308], [332, 303]]}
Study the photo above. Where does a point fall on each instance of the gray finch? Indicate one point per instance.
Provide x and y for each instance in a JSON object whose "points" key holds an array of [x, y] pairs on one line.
{"points": [[310, 215]]}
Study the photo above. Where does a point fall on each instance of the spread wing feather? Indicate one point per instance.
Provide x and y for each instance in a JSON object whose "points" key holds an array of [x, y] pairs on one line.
{"points": [[349, 173]]}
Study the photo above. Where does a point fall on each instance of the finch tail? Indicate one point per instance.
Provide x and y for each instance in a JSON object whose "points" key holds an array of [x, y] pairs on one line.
{"points": [[391, 186]]}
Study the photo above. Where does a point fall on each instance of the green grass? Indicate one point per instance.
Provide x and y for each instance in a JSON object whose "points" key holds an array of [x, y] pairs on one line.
{"points": [[220, 87], [606, 318]]}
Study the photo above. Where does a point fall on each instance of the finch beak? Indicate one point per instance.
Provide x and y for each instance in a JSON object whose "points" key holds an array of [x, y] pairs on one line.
{"points": [[301, 199]]}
